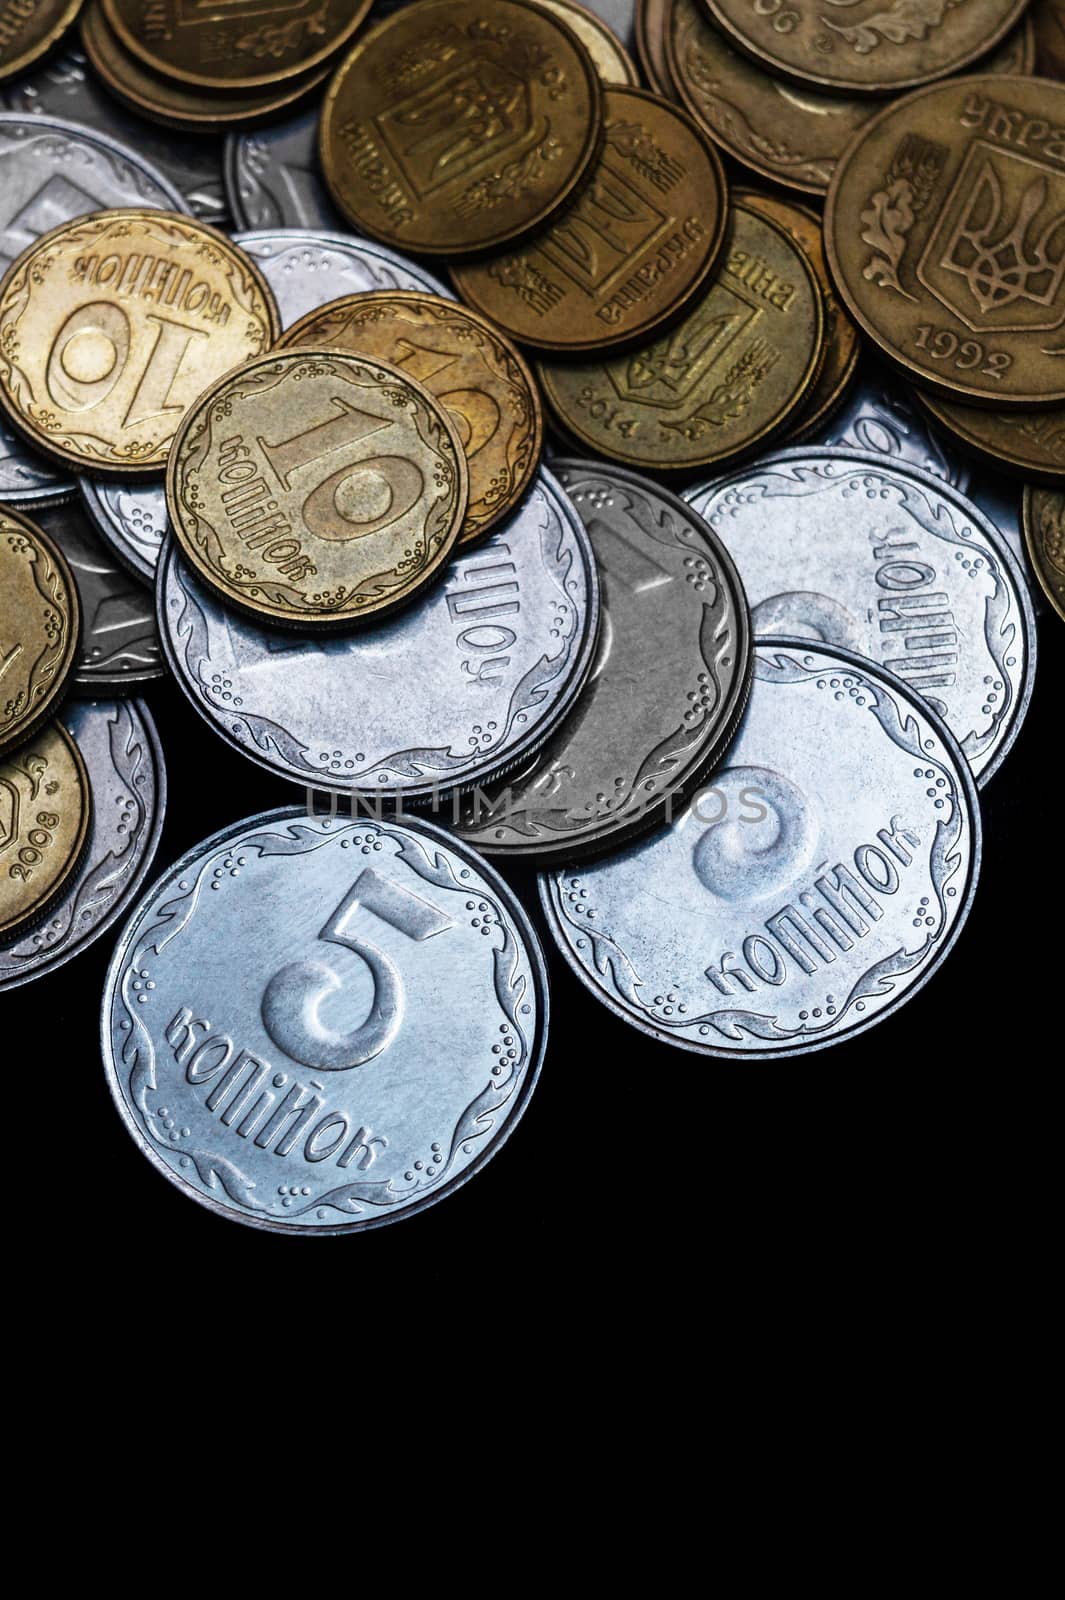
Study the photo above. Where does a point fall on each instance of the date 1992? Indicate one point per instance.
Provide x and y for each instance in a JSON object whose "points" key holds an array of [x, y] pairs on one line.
{"points": [[964, 354]]}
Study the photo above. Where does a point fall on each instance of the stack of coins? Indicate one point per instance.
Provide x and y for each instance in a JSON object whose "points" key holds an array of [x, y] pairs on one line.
{"points": [[533, 465]]}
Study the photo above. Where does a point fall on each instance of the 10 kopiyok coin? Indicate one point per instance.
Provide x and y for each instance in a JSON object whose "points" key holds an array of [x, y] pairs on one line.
{"points": [[39, 628], [45, 809]]}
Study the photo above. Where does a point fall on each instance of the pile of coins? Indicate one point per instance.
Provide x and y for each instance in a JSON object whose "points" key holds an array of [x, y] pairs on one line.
{"points": [[656, 486]]}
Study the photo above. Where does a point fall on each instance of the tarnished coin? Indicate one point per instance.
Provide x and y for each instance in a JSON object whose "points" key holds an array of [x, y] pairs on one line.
{"points": [[1044, 535], [369, 1047], [449, 694], [317, 488], [119, 646], [944, 233], [634, 247], [1031, 443], [39, 628], [892, 564], [111, 325], [1048, 20], [611, 59], [273, 179], [45, 807], [879, 415], [866, 46], [652, 25], [238, 44], [127, 780], [460, 125], [29, 29], [460, 358], [670, 680], [808, 893], [718, 383]]}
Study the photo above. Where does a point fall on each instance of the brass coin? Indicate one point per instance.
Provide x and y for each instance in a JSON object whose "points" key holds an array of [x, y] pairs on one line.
{"points": [[45, 810], [460, 125], [871, 47], [317, 488], [720, 382], [466, 364], [641, 236], [29, 29], [945, 233], [1048, 21], [612, 61], [1031, 443], [652, 23], [39, 626], [234, 44], [1044, 535], [112, 325], [175, 104], [841, 343]]}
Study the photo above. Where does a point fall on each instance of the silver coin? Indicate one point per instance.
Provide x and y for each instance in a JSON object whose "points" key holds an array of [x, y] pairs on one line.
{"points": [[128, 781], [662, 701], [119, 645], [895, 564], [305, 270], [66, 87], [879, 416], [51, 171], [272, 177], [807, 894], [315, 1025]]}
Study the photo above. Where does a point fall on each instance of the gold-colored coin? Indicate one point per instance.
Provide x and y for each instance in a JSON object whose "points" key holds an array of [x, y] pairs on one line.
{"points": [[45, 811], [841, 343], [460, 125], [945, 233], [1044, 535], [718, 384], [317, 488], [234, 44], [39, 626], [1048, 21], [629, 252], [29, 29], [652, 23], [465, 363], [870, 47], [113, 324], [1031, 443], [612, 61], [172, 103]]}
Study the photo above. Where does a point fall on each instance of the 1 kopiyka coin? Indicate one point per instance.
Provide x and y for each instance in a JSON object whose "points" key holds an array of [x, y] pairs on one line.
{"points": [[378, 1003], [629, 252], [240, 44], [460, 125], [669, 683], [29, 29], [867, 47], [467, 364], [39, 628], [810, 890], [113, 324], [944, 234], [315, 487], [1030, 443], [45, 809], [1044, 535], [719, 382]]}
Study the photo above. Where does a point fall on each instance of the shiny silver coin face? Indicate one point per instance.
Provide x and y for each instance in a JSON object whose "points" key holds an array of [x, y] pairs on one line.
{"points": [[320, 1025], [51, 171], [128, 780], [119, 646], [894, 564], [272, 177], [809, 890], [130, 518], [665, 692], [878, 416], [448, 694]]}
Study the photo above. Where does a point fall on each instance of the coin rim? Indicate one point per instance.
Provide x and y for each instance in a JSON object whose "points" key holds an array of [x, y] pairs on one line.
{"points": [[611, 41], [642, 29], [11, 931], [68, 15], [1034, 554], [935, 407], [64, 677]]}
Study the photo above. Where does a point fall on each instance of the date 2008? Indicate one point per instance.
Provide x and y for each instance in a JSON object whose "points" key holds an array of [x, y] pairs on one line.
{"points": [[965, 354]]}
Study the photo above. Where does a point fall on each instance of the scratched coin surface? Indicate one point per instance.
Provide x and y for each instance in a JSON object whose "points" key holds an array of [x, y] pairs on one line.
{"points": [[717, 383], [894, 565], [29, 29], [1044, 534], [315, 487], [444, 696], [866, 46], [635, 245], [127, 779], [668, 685], [319, 1025], [110, 327], [460, 125], [944, 233], [273, 179], [612, 61], [1031, 443], [39, 627], [45, 807], [809, 891]]}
